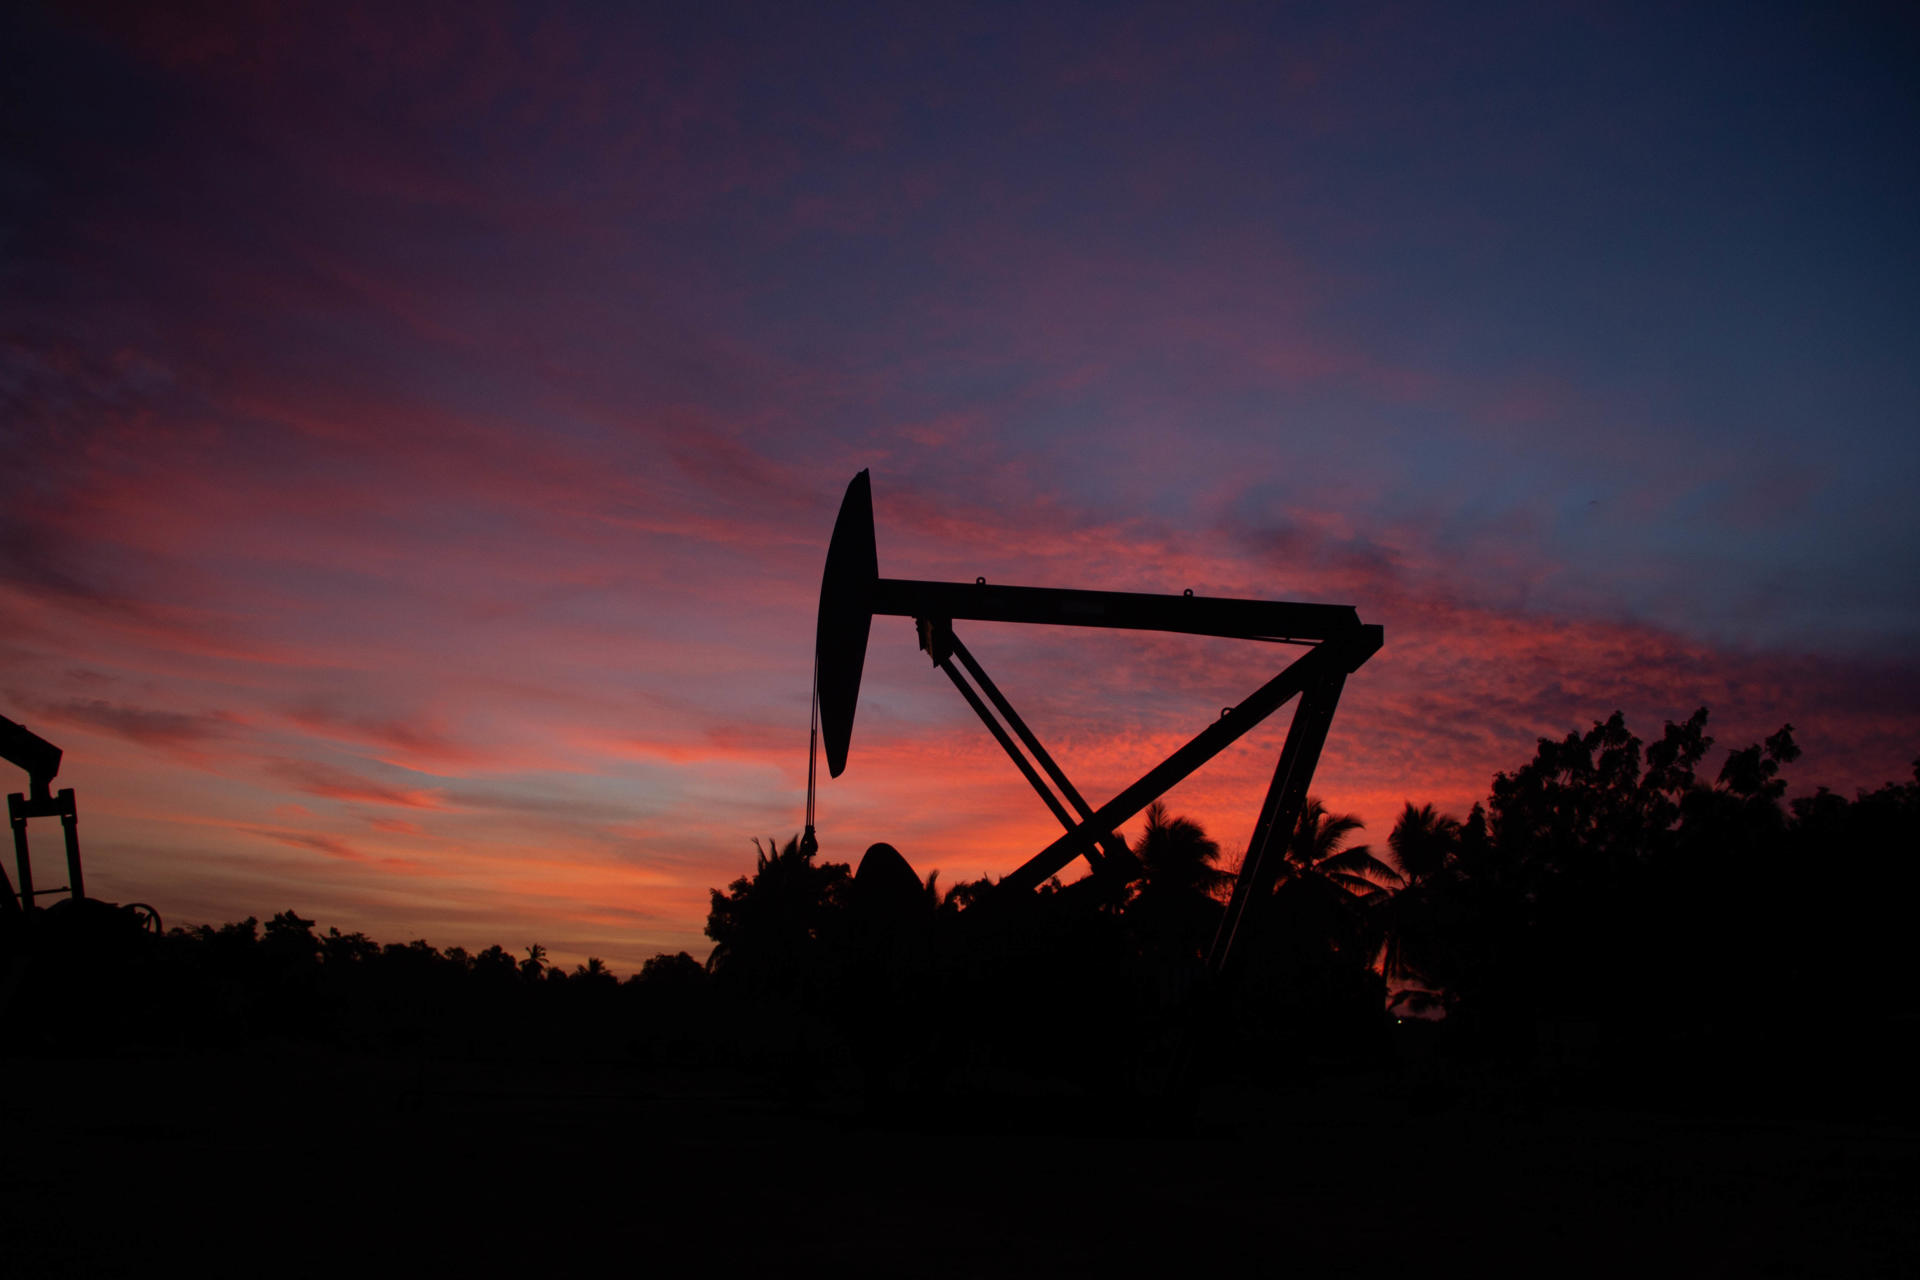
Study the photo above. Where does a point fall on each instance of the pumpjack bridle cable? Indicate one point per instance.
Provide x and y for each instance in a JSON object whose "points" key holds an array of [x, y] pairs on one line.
{"points": [[809, 842]]}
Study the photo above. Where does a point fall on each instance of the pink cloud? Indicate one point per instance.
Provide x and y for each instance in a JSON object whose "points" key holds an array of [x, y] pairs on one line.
{"points": [[323, 844], [144, 725], [316, 779]]}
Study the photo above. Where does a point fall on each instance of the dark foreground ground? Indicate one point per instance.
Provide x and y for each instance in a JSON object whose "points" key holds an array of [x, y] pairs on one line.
{"points": [[299, 1162]]}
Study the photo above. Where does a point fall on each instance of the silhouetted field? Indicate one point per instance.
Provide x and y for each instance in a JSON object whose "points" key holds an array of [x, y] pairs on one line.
{"points": [[327, 1163]]}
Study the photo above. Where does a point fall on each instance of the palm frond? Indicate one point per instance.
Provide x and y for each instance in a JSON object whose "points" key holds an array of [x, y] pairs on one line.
{"points": [[1359, 861]]}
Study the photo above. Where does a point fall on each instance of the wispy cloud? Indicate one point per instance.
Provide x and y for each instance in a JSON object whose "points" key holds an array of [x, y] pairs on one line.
{"points": [[144, 725], [317, 779]]}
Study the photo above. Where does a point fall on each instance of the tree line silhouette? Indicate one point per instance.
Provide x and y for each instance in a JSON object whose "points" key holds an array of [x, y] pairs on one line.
{"points": [[1615, 911], [1612, 908]]}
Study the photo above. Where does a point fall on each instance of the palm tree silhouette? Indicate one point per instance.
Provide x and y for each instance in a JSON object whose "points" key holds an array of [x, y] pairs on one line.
{"points": [[1177, 857], [536, 962], [766, 928], [595, 972], [1423, 843], [1426, 845], [1319, 853], [1324, 885], [1176, 902]]}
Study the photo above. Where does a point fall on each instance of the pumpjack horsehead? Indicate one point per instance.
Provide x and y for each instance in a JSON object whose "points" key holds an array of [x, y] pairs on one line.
{"points": [[852, 592]]}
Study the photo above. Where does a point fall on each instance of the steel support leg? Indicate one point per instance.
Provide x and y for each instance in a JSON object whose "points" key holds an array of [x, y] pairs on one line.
{"points": [[1316, 667], [9, 902], [1013, 752], [69, 823], [16, 806], [1111, 842], [1280, 811]]}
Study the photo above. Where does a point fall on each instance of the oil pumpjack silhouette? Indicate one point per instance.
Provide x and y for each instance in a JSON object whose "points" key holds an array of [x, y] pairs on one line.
{"points": [[40, 759], [852, 592]]}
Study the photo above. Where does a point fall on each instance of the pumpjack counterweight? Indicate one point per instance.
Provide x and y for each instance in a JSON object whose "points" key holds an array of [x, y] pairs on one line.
{"points": [[1337, 644]]}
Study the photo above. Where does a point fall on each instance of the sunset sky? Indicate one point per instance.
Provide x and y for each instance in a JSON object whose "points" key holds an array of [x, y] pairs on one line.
{"points": [[422, 432]]}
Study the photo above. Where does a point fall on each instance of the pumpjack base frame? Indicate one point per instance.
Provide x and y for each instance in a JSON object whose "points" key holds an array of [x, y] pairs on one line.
{"points": [[41, 759]]}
